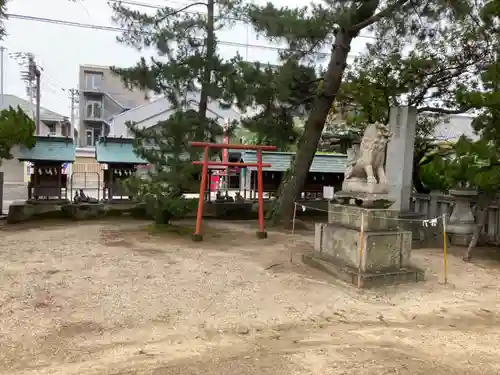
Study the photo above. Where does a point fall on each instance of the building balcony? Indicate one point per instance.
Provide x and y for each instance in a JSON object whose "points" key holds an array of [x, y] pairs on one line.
{"points": [[94, 119], [95, 113], [92, 90]]}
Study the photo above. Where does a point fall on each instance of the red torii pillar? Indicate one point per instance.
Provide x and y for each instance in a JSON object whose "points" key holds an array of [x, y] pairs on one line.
{"points": [[197, 236]]}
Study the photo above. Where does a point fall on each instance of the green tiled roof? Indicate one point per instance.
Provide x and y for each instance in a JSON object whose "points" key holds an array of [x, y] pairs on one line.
{"points": [[60, 149], [281, 161], [117, 150]]}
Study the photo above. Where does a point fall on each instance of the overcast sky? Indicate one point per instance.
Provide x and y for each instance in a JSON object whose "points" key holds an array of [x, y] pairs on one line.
{"points": [[60, 49]]}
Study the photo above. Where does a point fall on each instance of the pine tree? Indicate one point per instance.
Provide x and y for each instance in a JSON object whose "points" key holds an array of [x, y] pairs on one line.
{"points": [[335, 25], [3, 9], [282, 93], [16, 127], [476, 163], [190, 74], [479, 160], [442, 62]]}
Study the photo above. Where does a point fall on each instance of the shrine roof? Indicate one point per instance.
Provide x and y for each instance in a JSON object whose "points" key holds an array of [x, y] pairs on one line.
{"points": [[117, 150], [58, 149], [281, 161]]}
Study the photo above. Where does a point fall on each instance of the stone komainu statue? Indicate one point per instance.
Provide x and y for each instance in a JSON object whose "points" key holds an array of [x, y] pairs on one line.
{"points": [[367, 165]]}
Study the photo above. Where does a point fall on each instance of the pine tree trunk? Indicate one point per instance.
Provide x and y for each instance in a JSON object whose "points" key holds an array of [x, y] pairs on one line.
{"points": [[207, 73], [417, 180], [292, 185]]}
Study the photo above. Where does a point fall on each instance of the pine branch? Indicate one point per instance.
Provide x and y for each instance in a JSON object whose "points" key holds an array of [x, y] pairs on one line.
{"points": [[376, 17], [442, 111], [180, 10]]}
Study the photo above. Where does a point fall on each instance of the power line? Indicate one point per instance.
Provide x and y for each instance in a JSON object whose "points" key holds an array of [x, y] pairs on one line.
{"points": [[154, 6], [22, 59], [120, 30], [148, 5]]}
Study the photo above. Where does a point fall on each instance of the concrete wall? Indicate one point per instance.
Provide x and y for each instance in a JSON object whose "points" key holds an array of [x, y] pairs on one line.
{"points": [[13, 169]]}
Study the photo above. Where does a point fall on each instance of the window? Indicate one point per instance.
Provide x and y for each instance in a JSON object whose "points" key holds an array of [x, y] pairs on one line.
{"points": [[93, 110], [89, 111], [52, 129], [97, 110], [97, 135], [66, 130], [92, 136], [93, 80]]}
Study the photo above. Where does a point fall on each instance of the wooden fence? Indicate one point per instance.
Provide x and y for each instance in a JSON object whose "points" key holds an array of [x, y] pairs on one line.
{"points": [[436, 204]]}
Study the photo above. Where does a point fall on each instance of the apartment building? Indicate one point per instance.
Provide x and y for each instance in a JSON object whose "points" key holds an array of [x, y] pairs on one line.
{"points": [[102, 96]]}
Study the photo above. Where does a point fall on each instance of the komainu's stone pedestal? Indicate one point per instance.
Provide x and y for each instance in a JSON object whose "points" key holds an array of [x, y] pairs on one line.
{"points": [[386, 248]]}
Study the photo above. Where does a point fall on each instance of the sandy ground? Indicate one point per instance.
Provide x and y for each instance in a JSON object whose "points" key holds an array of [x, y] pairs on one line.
{"points": [[112, 298]]}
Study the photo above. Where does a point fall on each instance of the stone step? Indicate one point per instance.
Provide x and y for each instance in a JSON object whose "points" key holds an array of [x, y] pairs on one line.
{"points": [[365, 279]]}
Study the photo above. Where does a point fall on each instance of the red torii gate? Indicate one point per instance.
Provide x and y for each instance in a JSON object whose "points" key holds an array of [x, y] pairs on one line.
{"points": [[197, 236]]}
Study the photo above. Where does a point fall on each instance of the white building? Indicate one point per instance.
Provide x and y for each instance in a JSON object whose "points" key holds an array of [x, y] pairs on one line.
{"points": [[454, 127], [149, 114]]}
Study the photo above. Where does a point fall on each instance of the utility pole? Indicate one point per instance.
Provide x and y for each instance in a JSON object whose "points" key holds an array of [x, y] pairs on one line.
{"points": [[74, 94], [2, 50], [34, 73], [31, 76], [37, 74], [27, 60]]}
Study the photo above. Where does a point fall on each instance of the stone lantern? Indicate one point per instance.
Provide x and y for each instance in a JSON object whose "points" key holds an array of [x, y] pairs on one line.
{"points": [[462, 221]]}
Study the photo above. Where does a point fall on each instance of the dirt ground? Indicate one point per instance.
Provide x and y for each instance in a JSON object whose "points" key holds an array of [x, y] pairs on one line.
{"points": [[114, 298]]}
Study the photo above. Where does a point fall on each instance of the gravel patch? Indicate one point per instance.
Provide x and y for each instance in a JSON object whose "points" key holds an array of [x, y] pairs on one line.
{"points": [[112, 298]]}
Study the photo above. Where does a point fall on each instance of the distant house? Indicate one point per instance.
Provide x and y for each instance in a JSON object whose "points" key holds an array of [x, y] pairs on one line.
{"points": [[51, 123], [149, 114], [454, 127]]}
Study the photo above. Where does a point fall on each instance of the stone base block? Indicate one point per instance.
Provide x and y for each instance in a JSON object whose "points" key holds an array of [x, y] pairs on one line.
{"points": [[22, 211], [83, 211], [365, 279], [261, 235], [374, 219], [381, 251], [197, 237], [365, 200], [412, 221], [358, 185]]}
